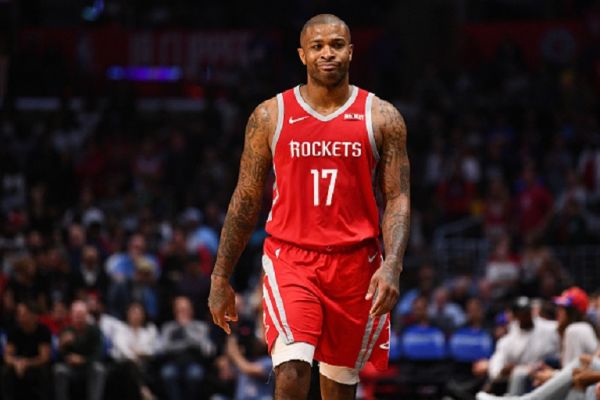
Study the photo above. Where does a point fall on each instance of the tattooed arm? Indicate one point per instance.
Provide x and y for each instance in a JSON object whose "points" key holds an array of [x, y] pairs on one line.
{"points": [[394, 179], [243, 211]]}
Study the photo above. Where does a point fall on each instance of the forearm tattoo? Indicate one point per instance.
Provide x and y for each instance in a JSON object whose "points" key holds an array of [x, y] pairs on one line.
{"points": [[394, 175], [245, 204]]}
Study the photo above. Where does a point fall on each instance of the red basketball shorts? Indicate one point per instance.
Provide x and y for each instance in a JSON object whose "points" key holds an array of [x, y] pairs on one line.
{"points": [[319, 298]]}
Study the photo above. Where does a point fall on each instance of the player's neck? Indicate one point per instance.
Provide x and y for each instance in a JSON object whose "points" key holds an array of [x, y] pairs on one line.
{"points": [[322, 97]]}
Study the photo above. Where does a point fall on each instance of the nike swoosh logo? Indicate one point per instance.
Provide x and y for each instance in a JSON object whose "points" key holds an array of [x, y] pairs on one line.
{"points": [[385, 346], [293, 121], [371, 258]]}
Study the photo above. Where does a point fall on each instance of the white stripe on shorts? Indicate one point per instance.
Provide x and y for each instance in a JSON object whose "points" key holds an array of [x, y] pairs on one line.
{"points": [[380, 326], [271, 312], [270, 271], [364, 343]]}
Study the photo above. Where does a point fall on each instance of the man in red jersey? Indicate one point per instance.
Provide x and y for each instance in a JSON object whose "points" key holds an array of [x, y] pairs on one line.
{"points": [[327, 290]]}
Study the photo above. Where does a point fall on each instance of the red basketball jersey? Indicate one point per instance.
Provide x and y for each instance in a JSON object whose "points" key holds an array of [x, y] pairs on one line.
{"points": [[324, 173]]}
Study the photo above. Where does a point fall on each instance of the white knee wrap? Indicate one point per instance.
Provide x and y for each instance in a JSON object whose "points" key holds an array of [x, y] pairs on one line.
{"points": [[298, 351], [343, 375]]}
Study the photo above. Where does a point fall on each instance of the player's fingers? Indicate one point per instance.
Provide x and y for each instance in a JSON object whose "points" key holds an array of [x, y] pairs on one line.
{"points": [[231, 313], [392, 300], [219, 320], [224, 325], [388, 300], [372, 288], [380, 300]]}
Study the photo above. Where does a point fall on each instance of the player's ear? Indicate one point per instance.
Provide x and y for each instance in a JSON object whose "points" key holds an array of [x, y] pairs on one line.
{"points": [[351, 50], [302, 55]]}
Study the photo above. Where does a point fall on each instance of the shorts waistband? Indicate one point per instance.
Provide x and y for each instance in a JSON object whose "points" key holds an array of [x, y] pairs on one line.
{"points": [[328, 249]]}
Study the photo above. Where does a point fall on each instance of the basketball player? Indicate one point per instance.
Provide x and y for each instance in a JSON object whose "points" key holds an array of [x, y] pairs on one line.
{"points": [[327, 290]]}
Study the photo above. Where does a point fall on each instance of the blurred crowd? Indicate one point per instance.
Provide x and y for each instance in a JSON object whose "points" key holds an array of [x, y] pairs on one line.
{"points": [[110, 218]]}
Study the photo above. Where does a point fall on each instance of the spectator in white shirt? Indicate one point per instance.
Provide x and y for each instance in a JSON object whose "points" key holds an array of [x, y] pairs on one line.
{"points": [[528, 343], [133, 345], [577, 335]]}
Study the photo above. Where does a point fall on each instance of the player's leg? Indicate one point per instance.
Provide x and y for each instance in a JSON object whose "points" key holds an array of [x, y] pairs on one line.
{"points": [[292, 380], [292, 317], [350, 337], [338, 383], [292, 364]]}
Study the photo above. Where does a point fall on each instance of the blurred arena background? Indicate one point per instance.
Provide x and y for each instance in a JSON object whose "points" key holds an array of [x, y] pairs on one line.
{"points": [[121, 127]]}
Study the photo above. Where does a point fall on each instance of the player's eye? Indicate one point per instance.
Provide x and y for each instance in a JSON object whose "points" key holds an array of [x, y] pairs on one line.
{"points": [[316, 47]]}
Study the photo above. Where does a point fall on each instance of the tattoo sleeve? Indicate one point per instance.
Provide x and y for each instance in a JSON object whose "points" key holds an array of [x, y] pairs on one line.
{"points": [[246, 201], [394, 179]]}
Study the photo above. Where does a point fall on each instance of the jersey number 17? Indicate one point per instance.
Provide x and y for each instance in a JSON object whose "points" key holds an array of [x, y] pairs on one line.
{"points": [[323, 174]]}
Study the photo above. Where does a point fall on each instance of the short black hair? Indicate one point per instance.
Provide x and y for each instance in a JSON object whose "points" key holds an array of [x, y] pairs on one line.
{"points": [[323, 19]]}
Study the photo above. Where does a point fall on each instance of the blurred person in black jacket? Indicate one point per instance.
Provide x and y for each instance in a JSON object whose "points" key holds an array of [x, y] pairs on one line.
{"points": [[80, 350], [27, 357]]}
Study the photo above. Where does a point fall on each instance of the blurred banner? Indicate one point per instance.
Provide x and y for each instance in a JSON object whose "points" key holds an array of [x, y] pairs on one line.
{"points": [[223, 57], [556, 42], [198, 54]]}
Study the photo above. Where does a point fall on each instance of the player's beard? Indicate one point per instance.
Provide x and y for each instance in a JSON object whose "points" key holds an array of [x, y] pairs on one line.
{"points": [[330, 79]]}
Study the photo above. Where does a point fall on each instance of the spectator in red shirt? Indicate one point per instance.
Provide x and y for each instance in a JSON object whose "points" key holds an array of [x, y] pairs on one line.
{"points": [[455, 195], [497, 209], [534, 204]]}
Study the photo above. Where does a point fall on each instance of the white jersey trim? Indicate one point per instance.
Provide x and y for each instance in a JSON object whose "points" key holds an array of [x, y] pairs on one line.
{"points": [[369, 123], [280, 112], [328, 117]]}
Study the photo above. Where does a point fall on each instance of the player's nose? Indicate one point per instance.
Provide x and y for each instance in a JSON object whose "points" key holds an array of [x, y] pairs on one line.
{"points": [[327, 53]]}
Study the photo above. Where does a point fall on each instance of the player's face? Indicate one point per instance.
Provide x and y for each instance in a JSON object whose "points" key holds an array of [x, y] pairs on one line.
{"points": [[326, 51]]}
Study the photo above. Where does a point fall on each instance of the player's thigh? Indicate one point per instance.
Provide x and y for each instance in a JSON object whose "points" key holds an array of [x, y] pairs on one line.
{"points": [[291, 306]]}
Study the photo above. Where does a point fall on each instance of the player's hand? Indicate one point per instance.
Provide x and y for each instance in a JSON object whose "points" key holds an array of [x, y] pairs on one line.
{"points": [[221, 302], [385, 287]]}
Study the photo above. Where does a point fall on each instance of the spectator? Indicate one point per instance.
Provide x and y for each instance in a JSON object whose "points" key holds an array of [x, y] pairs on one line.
{"points": [[502, 270], [90, 277], [58, 318], [469, 345], [76, 243], [580, 375], [24, 285], [248, 352], [195, 282], [455, 194], [444, 313], [26, 357], [577, 336], [497, 209], [121, 266], [133, 345], [79, 352], [535, 258], [135, 266], [529, 342], [425, 287], [56, 275], [200, 235], [534, 204], [187, 349]]}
